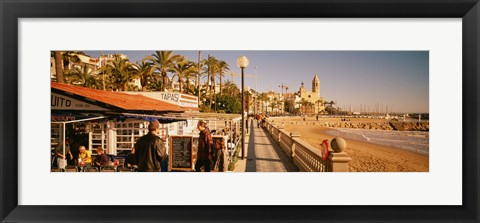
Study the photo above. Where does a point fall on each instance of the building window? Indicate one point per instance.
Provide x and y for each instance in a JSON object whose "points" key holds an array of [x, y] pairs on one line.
{"points": [[99, 136], [55, 134], [128, 133]]}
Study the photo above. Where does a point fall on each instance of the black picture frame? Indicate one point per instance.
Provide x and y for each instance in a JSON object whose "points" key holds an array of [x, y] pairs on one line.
{"points": [[11, 11]]}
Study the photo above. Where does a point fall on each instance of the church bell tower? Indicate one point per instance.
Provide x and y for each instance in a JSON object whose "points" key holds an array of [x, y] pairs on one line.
{"points": [[316, 85]]}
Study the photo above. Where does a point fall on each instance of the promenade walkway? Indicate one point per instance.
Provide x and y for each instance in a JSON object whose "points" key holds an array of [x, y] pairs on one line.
{"points": [[262, 154]]}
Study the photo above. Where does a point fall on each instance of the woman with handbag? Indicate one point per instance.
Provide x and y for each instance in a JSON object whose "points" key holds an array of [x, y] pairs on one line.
{"points": [[219, 162]]}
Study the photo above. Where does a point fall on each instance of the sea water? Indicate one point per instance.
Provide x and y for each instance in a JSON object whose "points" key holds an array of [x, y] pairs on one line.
{"points": [[415, 141]]}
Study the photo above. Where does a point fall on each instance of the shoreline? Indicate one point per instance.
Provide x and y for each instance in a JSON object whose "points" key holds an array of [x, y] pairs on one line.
{"points": [[366, 156], [356, 134]]}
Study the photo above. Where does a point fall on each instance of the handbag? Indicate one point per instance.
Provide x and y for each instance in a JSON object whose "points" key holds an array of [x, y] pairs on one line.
{"points": [[62, 163]]}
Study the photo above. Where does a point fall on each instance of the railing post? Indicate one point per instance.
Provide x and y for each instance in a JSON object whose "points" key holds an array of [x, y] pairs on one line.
{"points": [[294, 136], [339, 159], [280, 127]]}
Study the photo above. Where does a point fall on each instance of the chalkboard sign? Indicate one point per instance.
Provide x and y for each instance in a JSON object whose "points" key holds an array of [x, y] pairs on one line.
{"points": [[195, 147], [181, 153]]}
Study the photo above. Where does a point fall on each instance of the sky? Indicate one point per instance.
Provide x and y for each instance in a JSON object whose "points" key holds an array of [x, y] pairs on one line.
{"points": [[393, 80]]}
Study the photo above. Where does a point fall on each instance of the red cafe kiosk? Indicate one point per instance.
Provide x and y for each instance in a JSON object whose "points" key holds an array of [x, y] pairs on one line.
{"points": [[93, 118]]}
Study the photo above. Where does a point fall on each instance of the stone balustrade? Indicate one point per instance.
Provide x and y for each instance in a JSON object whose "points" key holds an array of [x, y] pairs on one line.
{"points": [[305, 156]]}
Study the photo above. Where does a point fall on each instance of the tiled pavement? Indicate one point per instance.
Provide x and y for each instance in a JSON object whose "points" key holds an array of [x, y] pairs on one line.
{"points": [[262, 154]]}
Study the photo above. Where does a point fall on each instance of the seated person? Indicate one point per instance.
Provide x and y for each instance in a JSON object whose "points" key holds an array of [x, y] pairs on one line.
{"points": [[84, 156], [131, 160], [101, 159]]}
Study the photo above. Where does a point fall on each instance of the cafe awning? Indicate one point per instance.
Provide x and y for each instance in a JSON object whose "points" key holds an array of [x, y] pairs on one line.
{"points": [[75, 98], [65, 118], [190, 116]]}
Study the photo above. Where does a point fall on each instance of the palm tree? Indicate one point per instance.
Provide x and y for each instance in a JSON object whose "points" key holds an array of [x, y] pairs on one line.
{"points": [[192, 74], [199, 67], [230, 88], [106, 77], [212, 66], [163, 61], [222, 68], [319, 101], [122, 72], [82, 77], [182, 70], [273, 103], [69, 57], [58, 66], [63, 60], [263, 98], [304, 104], [145, 73], [155, 83]]}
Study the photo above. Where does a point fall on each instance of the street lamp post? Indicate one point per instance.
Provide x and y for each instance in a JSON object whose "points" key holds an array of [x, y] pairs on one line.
{"points": [[255, 104], [242, 63], [247, 107]]}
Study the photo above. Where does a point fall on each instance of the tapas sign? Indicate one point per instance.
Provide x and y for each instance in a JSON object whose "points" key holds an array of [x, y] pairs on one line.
{"points": [[324, 150], [181, 153]]}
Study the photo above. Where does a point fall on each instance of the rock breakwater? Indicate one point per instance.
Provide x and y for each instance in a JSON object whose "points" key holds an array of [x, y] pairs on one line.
{"points": [[400, 126]]}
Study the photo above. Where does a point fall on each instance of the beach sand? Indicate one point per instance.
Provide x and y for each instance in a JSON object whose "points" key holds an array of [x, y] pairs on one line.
{"points": [[366, 157]]}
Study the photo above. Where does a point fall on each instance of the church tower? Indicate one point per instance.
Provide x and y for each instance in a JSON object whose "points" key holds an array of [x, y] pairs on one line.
{"points": [[316, 85], [302, 87]]}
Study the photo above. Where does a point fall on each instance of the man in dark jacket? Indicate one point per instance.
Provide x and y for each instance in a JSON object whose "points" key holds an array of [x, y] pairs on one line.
{"points": [[205, 143], [150, 150]]}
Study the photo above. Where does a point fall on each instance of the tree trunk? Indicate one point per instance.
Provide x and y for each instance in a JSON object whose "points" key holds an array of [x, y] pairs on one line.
{"points": [[164, 82], [179, 84], [215, 92], [58, 66], [198, 75], [210, 87], [220, 84]]}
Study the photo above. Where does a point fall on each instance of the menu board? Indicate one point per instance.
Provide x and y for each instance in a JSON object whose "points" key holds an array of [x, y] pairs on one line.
{"points": [[181, 153]]}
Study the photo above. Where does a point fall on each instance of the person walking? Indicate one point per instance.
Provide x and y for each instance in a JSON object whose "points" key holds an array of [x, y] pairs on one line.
{"points": [[150, 150], [205, 143], [220, 157]]}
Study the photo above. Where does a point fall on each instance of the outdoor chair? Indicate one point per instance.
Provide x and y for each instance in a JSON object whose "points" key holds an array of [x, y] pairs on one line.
{"points": [[107, 169], [71, 169], [121, 161], [55, 170], [91, 169], [110, 157], [125, 169]]}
